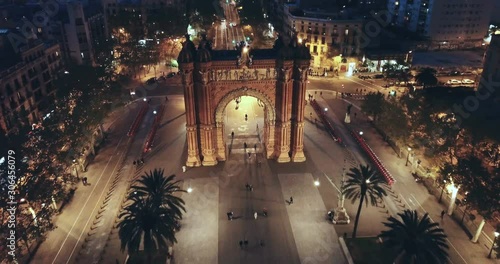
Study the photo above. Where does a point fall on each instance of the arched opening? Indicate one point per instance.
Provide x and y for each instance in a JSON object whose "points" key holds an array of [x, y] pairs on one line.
{"points": [[234, 131]]}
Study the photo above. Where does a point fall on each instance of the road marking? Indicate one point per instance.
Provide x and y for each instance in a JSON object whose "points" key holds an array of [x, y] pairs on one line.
{"points": [[371, 87], [88, 198], [333, 184], [97, 204], [449, 242]]}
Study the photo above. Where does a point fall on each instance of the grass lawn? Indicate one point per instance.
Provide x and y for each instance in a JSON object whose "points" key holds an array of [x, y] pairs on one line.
{"points": [[367, 250]]}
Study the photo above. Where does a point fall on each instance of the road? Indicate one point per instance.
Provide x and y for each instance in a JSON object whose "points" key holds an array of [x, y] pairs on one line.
{"points": [[63, 244], [228, 32]]}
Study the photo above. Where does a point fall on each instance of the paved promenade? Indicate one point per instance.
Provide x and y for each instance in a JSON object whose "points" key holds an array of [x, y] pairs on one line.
{"points": [[316, 239]]}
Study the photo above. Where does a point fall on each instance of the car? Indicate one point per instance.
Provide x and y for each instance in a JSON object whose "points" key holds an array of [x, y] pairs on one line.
{"points": [[171, 74], [453, 81], [151, 81], [467, 81]]}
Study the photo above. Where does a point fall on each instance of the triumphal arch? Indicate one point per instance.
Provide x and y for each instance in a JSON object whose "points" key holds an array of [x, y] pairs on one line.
{"points": [[277, 77]]}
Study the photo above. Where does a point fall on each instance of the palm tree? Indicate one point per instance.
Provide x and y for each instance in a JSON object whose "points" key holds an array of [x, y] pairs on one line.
{"points": [[152, 214], [364, 184], [160, 191], [142, 222], [416, 240], [427, 76]]}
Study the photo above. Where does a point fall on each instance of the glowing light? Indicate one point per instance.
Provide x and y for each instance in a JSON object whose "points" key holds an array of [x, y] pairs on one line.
{"points": [[245, 50], [189, 190], [316, 183]]}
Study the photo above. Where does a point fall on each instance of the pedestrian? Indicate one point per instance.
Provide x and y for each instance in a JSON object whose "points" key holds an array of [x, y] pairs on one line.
{"points": [[249, 154], [442, 214], [310, 114], [255, 215], [247, 186], [228, 216], [246, 117], [245, 145], [250, 187], [183, 168], [84, 180], [320, 93], [241, 244], [255, 147], [232, 134], [291, 200]]}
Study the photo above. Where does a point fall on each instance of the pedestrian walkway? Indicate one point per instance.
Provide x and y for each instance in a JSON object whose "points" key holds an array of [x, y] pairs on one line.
{"points": [[414, 195], [315, 238], [197, 241]]}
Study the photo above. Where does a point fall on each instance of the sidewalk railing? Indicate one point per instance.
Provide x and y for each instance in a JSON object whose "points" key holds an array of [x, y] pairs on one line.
{"points": [[138, 120], [373, 157], [156, 124], [324, 120]]}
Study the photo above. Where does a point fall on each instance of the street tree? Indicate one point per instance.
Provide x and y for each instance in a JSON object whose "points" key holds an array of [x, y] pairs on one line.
{"points": [[366, 185], [152, 214], [154, 187], [416, 240], [394, 120], [373, 104], [427, 77]]}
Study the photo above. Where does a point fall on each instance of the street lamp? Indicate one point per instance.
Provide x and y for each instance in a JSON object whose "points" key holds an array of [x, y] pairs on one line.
{"points": [[408, 156], [154, 112], [316, 182], [326, 109], [442, 190], [360, 133], [496, 233], [76, 169], [144, 99]]}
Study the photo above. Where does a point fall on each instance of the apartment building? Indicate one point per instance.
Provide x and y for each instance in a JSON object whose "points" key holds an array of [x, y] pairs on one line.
{"points": [[26, 81], [447, 24], [491, 67], [78, 28], [330, 36]]}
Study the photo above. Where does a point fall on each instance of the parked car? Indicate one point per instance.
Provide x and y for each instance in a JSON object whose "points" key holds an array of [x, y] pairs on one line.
{"points": [[453, 81], [467, 81], [151, 81], [171, 74]]}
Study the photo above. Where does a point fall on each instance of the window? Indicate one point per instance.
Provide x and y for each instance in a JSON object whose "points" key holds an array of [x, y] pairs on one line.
{"points": [[315, 49], [323, 40]]}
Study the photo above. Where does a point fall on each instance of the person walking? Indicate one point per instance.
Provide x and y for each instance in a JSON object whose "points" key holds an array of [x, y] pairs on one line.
{"points": [[232, 134], [84, 180], [245, 145], [291, 200], [255, 147], [442, 214]]}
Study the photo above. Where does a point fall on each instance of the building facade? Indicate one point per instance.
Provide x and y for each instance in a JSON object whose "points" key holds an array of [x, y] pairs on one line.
{"points": [[327, 35], [26, 84], [447, 24], [491, 68]]}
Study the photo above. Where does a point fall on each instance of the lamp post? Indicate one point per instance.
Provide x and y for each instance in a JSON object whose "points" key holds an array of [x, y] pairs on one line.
{"points": [[408, 156], [341, 216], [76, 168], [494, 242], [442, 190]]}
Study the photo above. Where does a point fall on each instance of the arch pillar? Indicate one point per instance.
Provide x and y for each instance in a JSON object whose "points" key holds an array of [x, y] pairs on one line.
{"points": [[220, 148]]}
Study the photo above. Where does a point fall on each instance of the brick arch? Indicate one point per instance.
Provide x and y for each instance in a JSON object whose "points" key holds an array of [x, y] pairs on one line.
{"points": [[269, 111]]}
